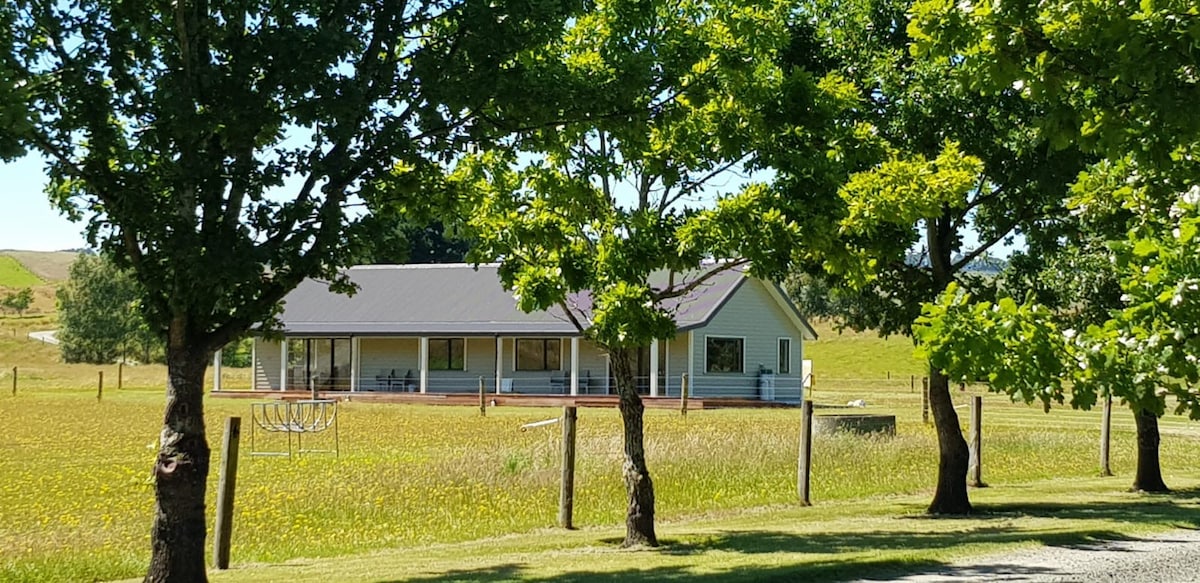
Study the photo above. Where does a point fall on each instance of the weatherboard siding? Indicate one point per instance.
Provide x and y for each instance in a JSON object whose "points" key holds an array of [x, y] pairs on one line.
{"points": [[266, 364], [671, 368], [750, 313], [592, 364], [381, 357]]}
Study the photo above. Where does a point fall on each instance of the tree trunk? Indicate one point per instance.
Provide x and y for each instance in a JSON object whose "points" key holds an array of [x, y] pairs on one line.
{"points": [[951, 495], [181, 470], [1149, 472], [639, 522], [954, 457]]}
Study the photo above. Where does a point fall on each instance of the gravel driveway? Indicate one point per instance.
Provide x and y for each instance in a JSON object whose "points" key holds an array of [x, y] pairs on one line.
{"points": [[1163, 558]]}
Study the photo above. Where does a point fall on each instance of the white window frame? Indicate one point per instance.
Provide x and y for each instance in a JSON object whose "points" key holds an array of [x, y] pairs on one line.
{"points": [[464, 355], [779, 369], [725, 337], [515, 352]]}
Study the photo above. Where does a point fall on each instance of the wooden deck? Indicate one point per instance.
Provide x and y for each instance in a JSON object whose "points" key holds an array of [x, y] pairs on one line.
{"points": [[505, 400]]}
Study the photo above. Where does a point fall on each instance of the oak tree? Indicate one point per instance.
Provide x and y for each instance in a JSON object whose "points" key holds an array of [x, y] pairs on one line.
{"points": [[1117, 80], [955, 175], [219, 148], [609, 221]]}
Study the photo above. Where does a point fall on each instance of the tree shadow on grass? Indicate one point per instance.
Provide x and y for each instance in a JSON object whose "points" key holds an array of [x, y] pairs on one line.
{"points": [[1163, 510], [816, 572], [1150, 509], [765, 543]]}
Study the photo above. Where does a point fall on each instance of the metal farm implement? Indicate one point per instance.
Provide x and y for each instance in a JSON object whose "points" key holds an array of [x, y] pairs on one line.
{"points": [[294, 418]]}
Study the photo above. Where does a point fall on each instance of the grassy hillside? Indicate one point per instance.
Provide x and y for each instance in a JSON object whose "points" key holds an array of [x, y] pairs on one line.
{"points": [[15, 275], [861, 356], [42, 271], [50, 266]]}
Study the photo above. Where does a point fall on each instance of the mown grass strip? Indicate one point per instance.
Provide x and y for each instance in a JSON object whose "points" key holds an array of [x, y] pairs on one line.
{"points": [[873, 538]]}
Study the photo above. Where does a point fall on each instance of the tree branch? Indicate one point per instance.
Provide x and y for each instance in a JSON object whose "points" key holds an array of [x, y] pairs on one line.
{"points": [[985, 198], [668, 293], [571, 316], [694, 185], [981, 249]]}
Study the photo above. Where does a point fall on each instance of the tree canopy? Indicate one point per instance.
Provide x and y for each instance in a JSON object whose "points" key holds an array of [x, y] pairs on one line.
{"points": [[18, 301], [99, 313], [1117, 81], [646, 204], [221, 147], [945, 175]]}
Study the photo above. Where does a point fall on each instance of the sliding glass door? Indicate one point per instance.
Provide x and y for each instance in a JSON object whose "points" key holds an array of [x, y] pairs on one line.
{"points": [[323, 363]]}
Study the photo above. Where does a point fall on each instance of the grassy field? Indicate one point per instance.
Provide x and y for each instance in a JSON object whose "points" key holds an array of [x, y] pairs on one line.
{"points": [[41, 370], [839, 356], [78, 498], [437, 493], [14, 275]]}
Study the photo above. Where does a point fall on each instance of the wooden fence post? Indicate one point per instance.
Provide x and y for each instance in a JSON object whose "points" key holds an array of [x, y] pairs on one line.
{"points": [[804, 475], [683, 395], [14, 381], [482, 399], [100, 386], [912, 383], [120, 374], [975, 458], [566, 496], [227, 483], [925, 400], [1106, 436]]}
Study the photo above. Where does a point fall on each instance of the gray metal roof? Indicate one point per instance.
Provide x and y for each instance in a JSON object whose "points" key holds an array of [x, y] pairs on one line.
{"points": [[461, 300]]}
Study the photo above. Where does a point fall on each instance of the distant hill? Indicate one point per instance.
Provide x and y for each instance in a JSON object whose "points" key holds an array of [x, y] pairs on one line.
{"points": [[14, 275], [48, 266], [985, 264]]}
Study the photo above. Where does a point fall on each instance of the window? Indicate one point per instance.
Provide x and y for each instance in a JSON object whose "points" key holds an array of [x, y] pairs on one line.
{"points": [[724, 354], [321, 362], [539, 354], [447, 354], [785, 356]]}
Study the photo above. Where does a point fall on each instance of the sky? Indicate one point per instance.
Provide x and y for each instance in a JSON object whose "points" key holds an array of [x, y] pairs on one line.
{"points": [[27, 220]]}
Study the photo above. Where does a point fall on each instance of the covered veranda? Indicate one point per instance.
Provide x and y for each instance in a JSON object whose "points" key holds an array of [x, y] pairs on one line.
{"points": [[536, 365]]}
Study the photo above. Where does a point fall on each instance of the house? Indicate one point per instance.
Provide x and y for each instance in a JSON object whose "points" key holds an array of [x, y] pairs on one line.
{"points": [[446, 328]]}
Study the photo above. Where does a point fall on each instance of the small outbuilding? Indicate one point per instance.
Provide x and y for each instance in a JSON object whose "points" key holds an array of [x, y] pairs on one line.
{"points": [[440, 328]]}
